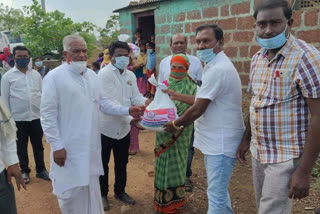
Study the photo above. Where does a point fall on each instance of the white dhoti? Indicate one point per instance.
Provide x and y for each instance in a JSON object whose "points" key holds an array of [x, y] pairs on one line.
{"points": [[82, 200]]}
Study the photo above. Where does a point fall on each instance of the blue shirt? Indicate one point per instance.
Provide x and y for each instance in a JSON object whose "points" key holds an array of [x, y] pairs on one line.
{"points": [[151, 61]]}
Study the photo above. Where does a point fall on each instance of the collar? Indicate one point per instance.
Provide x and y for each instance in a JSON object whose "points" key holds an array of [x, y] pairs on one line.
{"points": [[214, 60], [115, 69], [15, 69]]}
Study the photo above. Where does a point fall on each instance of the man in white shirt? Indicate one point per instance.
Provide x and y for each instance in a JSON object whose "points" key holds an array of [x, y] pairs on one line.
{"points": [[70, 108], [178, 44], [217, 114], [9, 158], [21, 91], [120, 86]]}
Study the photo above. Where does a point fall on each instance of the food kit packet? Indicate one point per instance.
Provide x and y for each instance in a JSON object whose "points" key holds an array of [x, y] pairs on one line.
{"points": [[160, 111]]}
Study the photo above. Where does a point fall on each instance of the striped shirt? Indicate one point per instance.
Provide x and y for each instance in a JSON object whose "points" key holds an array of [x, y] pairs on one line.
{"points": [[279, 114]]}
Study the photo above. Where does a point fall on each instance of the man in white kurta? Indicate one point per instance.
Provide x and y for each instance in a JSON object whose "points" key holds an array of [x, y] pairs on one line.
{"points": [[70, 107]]}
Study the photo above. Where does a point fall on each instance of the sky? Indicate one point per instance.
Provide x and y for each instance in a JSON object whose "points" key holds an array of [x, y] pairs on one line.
{"points": [[95, 11]]}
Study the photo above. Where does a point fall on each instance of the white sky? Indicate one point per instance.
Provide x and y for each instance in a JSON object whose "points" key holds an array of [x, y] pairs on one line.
{"points": [[95, 11]]}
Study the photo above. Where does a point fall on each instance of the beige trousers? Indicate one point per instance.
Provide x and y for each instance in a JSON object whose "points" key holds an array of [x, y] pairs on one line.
{"points": [[271, 186]]}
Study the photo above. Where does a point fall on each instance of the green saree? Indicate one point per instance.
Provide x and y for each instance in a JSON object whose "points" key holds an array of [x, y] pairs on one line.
{"points": [[171, 157]]}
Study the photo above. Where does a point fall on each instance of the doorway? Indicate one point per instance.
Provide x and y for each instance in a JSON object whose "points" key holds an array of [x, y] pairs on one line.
{"points": [[145, 23]]}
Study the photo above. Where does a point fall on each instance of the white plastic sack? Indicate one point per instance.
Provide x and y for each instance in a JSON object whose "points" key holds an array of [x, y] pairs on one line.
{"points": [[123, 37], [160, 111], [135, 49]]}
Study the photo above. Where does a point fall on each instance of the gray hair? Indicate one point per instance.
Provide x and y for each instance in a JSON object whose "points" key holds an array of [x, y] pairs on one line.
{"points": [[67, 40]]}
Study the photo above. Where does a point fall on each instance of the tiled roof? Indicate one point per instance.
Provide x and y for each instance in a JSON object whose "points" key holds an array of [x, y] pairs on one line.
{"points": [[136, 4]]}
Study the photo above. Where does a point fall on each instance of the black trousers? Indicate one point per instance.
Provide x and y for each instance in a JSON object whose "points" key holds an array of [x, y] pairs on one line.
{"points": [[7, 199], [190, 156], [120, 153], [33, 130]]}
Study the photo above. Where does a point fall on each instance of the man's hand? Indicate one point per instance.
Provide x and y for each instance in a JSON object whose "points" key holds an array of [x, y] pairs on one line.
{"points": [[172, 94], [135, 122], [136, 111], [168, 127], [60, 157], [243, 151], [299, 185], [14, 171]]}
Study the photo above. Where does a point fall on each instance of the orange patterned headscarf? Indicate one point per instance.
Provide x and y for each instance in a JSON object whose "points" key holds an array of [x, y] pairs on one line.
{"points": [[182, 59]]}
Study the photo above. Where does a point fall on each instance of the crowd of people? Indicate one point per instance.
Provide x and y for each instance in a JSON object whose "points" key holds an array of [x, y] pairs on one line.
{"points": [[85, 114]]}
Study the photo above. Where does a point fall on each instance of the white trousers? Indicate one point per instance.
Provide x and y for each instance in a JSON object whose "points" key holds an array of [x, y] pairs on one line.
{"points": [[82, 200]]}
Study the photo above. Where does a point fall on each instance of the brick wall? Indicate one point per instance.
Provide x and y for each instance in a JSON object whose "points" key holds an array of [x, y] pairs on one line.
{"points": [[235, 18], [127, 23]]}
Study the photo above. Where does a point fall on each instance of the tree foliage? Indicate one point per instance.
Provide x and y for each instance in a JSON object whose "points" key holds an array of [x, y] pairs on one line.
{"points": [[44, 31], [10, 18], [111, 30]]}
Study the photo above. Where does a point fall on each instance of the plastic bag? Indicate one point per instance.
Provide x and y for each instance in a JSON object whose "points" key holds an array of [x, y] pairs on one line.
{"points": [[160, 111], [135, 49]]}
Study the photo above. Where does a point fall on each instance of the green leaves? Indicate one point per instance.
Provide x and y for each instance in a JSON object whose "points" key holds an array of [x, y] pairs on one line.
{"points": [[10, 19], [111, 30], [43, 31]]}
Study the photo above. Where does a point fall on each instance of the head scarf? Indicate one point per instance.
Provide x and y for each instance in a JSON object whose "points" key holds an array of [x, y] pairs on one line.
{"points": [[6, 51], [178, 74], [180, 82]]}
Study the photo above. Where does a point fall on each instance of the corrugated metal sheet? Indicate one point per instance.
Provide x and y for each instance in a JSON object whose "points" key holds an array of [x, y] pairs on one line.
{"points": [[139, 4]]}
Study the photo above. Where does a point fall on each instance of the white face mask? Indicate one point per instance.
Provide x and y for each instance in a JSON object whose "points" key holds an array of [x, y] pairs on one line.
{"points": [[78, 66], [121, 62]]}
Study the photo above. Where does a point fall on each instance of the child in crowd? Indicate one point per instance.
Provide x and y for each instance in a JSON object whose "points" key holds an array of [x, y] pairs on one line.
{"points": [[151, 69]]}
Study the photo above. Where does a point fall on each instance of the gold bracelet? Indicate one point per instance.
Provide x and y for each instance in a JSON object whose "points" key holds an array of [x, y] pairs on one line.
{"points": [[174, 126]]}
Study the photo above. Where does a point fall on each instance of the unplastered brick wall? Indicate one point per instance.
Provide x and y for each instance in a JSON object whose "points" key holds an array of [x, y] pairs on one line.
{"points": [[235, 18]]}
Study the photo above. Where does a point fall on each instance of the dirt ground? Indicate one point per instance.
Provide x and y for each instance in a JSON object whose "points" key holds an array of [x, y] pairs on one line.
{"points": [[38, 199]]}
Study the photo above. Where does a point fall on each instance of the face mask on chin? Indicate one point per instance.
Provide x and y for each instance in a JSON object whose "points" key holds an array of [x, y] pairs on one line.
{"points": [[274, 42], [206, 55], [78, 66]]}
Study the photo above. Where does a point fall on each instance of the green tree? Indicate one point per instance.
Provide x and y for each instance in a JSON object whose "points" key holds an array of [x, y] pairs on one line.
{"points": [[111, 30], [10, 18], [44, 31]]}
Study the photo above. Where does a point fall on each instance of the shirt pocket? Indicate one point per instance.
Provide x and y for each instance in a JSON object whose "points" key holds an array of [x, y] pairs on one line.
{"points": [[128, 91], [281, 88]]}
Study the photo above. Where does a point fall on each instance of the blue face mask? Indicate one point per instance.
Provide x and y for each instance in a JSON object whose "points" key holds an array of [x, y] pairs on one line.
{"points": [[274, 42], [206, 55], [23, 63], [122, 62], [150, 51], [38, 63]]}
